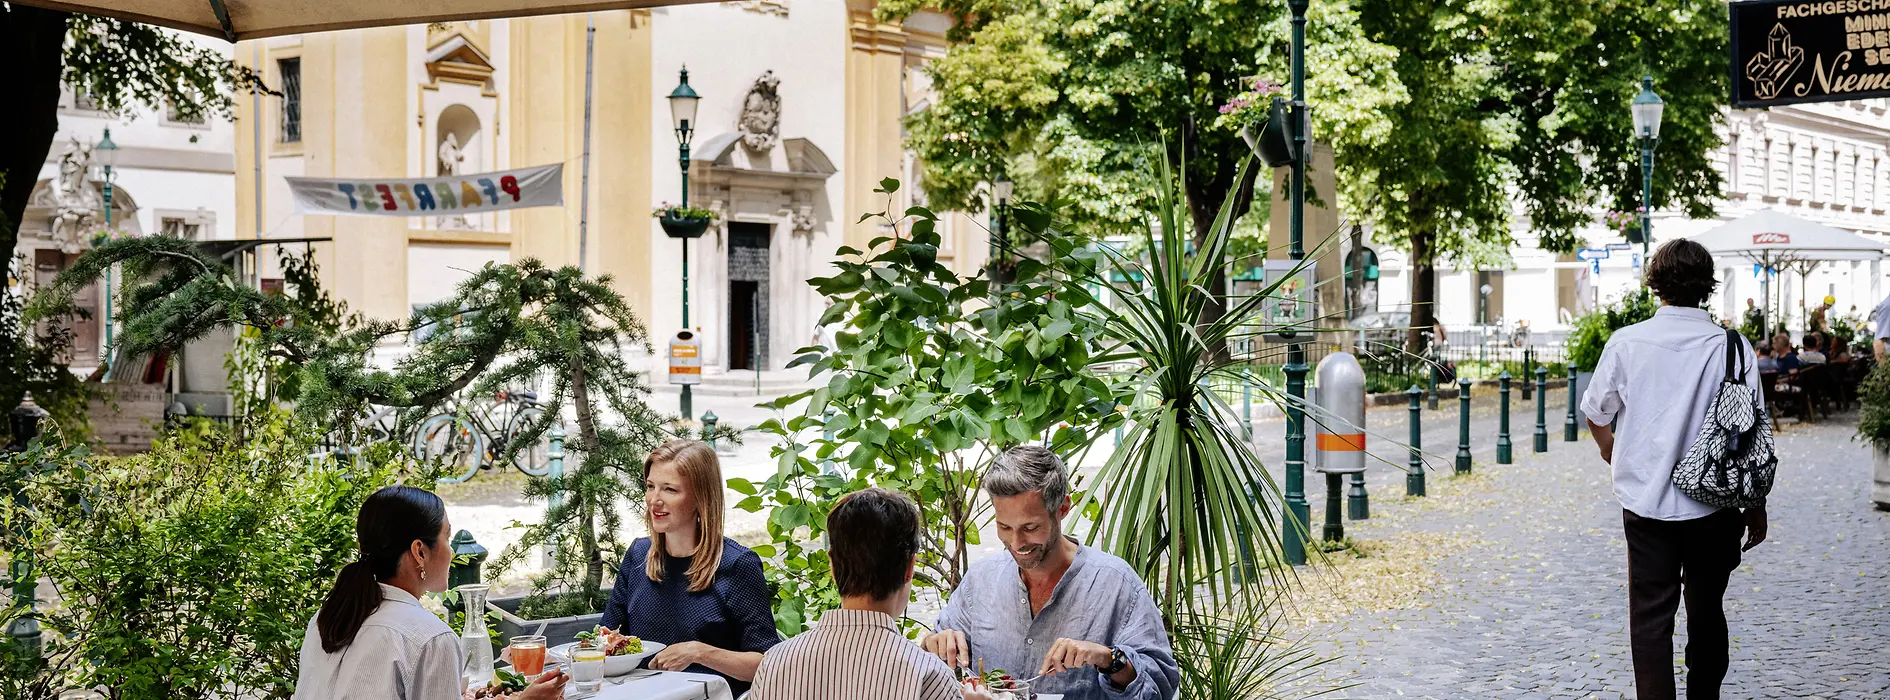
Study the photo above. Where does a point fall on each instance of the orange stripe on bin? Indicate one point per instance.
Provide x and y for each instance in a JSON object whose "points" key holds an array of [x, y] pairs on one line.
{"points": [[1329, 442]]}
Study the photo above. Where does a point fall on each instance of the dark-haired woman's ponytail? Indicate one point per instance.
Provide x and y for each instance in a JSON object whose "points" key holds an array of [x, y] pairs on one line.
{"points": [[356, 595]]}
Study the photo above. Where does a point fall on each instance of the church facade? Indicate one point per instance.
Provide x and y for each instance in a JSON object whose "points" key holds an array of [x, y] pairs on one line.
{"points": [[799, 120]]}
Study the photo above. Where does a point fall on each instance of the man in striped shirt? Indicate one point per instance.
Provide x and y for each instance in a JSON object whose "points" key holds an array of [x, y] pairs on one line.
{"points": [[858, 650]]}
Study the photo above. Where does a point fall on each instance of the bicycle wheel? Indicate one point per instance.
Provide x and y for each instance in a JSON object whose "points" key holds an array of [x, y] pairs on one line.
{"points": [[533, 459], [453, 440]]}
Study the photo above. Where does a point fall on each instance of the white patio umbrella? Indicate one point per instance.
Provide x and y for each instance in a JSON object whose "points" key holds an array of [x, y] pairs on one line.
{"points": [[235, 20], [1778, 241]]}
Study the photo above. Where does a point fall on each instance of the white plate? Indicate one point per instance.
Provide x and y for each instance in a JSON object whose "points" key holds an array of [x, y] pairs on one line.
{"points": [[613, 665]]}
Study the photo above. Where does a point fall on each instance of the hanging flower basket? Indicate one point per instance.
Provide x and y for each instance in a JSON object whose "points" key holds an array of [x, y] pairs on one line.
{"points": [[684, 222], [1633, 234], [1626, 222]]}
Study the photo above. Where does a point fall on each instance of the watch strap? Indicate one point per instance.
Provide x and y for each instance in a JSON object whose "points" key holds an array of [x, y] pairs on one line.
{"points": [[1118, 660]]}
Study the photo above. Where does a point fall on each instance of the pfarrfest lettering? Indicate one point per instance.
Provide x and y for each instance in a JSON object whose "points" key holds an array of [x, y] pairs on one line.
{"points": [[424, 197]]}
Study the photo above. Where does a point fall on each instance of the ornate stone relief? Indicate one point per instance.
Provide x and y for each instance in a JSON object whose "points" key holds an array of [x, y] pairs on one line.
{"points": [[765, 7], [760, 123], [75, 203]]}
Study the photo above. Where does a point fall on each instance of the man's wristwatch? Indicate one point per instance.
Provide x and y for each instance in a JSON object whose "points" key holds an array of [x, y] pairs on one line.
{"points": [[1118, 660]]}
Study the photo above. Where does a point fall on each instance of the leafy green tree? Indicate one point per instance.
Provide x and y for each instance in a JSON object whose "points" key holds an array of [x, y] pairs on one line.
{"points": [[1524, 103], [932, 375], [117, 64], [32, 361], [1066, 97]]}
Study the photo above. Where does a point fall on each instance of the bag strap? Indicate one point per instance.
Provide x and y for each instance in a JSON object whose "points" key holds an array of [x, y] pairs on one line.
{"points": [[1735, 370]]}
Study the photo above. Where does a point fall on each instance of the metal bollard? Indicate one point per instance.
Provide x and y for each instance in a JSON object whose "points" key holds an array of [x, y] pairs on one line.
{"points": [[1339, 392], [1569, 429], [1503, 446], [1463, 425], [1542, 408], [468, 557], [708, 428], [1246, 408], [1528, 364], [24, 632], [1414, 475]]}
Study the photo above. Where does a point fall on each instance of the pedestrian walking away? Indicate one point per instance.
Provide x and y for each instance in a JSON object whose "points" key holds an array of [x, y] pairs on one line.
{"points": [[1652, 390]]}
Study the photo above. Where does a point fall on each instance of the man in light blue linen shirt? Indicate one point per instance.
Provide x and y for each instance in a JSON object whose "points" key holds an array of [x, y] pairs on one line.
{"points": [[1076, 615]]}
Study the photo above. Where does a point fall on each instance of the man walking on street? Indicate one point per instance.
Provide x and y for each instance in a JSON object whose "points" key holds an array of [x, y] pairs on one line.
{"points": [[1655, 381]]}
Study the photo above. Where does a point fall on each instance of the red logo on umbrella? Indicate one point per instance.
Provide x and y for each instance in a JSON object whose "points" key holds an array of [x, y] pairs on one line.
{"points": [[1771, 239]]}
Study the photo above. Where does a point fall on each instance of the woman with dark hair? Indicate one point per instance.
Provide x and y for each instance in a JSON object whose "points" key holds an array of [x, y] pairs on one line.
{"points": [[687, 585], [372, 640]]}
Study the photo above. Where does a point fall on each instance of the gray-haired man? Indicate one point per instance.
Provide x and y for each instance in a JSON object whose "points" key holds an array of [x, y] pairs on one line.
{"points": [[1078, 616]]}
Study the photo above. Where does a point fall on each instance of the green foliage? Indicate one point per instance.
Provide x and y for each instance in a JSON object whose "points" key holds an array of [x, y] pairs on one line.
{"points": [[1183, 498], [678, 211], [1873, 397], [1238, 651], [932, 375], [187, 572], [121, 65], [1593, 329], [32, 360], [1063, 95]]}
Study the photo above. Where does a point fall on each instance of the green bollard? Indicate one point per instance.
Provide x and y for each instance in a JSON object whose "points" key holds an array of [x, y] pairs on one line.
{"points": [[1463, 425], [1542, 408], [1414, 475], [468, 557], [1358, 503], [1335, 516], [1503, 446], [1528, 364], [1434, 373], [1569, 429], [708, 428]]}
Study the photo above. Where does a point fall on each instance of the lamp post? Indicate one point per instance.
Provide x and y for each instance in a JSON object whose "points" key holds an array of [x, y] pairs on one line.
{"points": [[682, 115], [107, 151], [1646, 108], [1295, 369]]}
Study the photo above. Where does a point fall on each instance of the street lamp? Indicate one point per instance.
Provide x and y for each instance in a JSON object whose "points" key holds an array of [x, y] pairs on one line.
{"points": [[1001, 191], [107, 152], [682, 115], [1647, 107]]}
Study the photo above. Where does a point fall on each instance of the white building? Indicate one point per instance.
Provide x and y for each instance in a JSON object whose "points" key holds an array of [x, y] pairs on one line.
{"points": [[1827, 162]]}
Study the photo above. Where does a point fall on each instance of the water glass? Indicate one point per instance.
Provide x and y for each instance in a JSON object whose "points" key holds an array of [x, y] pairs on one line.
{"points": [[587, 669]]}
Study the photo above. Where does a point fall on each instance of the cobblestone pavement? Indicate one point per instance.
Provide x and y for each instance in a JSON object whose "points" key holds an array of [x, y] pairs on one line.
{"points": [[1537, 607]]}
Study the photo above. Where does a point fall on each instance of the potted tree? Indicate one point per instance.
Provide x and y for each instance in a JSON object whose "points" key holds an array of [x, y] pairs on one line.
{"points": [[684, 221], [1873, 426]]}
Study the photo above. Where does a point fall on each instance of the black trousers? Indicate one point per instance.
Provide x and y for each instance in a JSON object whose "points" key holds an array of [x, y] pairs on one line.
{"points": [[1662, 556]]}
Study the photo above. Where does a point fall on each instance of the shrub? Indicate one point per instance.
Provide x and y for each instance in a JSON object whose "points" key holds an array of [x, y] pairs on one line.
{"points": [[187, 572], [1592, 331], [1873, 420]]}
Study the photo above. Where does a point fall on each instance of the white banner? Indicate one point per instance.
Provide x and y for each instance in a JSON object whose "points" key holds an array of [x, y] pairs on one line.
{"points": [[541, 186]]}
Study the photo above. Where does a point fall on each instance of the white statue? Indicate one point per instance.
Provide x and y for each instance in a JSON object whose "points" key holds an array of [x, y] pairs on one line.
{"points": [[451, 156], [76, 207], [760, 122]]}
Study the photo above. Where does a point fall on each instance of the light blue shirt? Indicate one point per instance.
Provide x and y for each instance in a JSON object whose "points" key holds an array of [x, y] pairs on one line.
{"points": [[1100, 600]]}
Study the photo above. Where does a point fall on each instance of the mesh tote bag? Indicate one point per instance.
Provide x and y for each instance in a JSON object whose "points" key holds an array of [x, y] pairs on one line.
{"points": [[1731, 462]]}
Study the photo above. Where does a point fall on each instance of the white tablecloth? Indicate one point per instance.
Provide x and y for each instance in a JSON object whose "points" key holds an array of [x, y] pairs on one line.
{"points": [[660, 685]]}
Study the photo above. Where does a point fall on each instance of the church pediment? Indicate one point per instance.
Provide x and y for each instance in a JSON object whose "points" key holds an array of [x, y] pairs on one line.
{"points": [[460, 60]]}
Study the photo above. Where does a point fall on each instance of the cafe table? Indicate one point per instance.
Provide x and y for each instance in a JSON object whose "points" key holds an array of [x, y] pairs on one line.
{"points": [[645, 684]]}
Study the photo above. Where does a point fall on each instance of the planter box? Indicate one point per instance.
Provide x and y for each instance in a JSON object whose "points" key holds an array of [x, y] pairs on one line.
{"points": [[1880, 481], [557, 630]]}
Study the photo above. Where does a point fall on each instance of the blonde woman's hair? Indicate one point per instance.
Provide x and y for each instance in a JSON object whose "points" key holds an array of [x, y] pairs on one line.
{"points": [[702, 474]]}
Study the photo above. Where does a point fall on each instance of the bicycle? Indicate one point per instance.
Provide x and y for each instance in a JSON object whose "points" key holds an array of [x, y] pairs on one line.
{"points": [[378, 426], [463, 438]]}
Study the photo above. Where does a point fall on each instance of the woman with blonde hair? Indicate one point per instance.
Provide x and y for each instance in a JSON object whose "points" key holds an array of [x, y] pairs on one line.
{"points": [[686, 585]]}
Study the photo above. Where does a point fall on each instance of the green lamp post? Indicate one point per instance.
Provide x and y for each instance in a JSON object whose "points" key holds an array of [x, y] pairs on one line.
{"points": [[1647, 107], [1300, 511], [682, 114], [107, 152]]}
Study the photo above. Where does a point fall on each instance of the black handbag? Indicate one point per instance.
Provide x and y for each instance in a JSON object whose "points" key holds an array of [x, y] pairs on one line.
{"points": [[1731, 462]]}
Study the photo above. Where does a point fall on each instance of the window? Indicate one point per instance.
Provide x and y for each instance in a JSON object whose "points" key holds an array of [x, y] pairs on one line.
{"points": [[177, 227], [82, 100], [291, 71], [175, 117]]}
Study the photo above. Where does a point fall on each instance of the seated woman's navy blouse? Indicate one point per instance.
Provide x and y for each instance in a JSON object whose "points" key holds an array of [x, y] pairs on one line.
{"points": [[735, 613]]}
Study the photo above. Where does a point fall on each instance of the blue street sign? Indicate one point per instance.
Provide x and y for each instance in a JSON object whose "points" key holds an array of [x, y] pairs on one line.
{"points": [[1592, 254], [1620, 246], [1594, 266]]}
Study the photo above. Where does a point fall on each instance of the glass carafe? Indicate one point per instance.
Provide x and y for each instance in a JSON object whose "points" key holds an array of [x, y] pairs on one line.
{"points": [[473, 639]]}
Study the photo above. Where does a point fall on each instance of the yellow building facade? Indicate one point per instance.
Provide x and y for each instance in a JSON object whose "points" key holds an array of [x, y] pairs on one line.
{"points": [[800, 118]]}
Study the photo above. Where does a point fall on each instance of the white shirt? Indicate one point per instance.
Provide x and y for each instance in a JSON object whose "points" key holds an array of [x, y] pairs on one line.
{"points": [[403, 652], [853, 654], [1657, 377]]}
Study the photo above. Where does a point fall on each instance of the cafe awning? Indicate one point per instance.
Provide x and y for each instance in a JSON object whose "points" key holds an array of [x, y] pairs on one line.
{"points": [[1772, 238], [235, 20]]}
